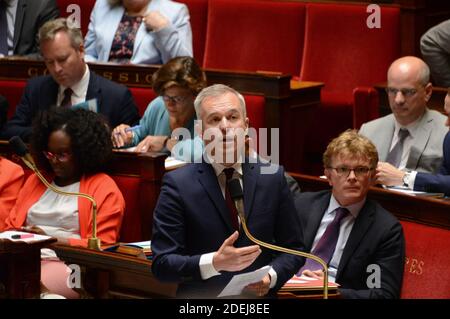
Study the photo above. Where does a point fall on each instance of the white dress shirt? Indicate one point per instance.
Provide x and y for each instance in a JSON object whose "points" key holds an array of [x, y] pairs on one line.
{"points": [[56, 215], [79, 89], [344, 232]]}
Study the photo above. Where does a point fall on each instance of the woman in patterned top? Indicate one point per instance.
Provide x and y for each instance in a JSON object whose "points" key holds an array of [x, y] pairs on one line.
{"points": [[138, 31]]}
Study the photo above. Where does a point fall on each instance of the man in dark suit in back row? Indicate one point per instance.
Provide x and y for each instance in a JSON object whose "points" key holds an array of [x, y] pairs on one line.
{"points": [[20, 21], [197, 239], [361, 242], [70, 82]]}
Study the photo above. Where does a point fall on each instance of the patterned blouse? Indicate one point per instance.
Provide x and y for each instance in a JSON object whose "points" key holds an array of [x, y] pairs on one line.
{"points": [[123, 43]]}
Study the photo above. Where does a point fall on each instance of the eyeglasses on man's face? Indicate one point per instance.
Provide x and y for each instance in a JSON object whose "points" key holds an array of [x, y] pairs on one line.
{"points": [[360, 171], [405, 92], [173, 99], [60, 157]]}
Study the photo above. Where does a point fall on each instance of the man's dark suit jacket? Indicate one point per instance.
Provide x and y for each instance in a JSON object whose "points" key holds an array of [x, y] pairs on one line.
{"points": [[114, 101], [191, 219], [30, 16], [439, 183], [376, 238]]}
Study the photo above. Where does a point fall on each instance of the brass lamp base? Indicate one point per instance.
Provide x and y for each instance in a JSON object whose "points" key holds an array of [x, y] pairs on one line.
{"points": [[94, 243]]}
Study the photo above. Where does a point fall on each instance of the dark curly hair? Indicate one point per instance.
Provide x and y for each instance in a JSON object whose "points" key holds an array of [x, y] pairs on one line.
{"points": [[89, 133]]}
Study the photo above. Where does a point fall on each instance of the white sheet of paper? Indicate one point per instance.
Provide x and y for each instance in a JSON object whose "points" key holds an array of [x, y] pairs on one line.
{"points": [[406, 190], [35, 237], [239, 282]]}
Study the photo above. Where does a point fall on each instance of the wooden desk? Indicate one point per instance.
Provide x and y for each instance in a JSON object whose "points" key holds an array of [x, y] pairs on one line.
{"points": [[418, 209], [113, 275], [288, 104], [20, 268]]}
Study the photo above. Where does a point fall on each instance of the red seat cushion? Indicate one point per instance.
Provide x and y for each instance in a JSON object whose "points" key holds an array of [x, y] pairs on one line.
{"points": [[254, 35], [427, 260]]}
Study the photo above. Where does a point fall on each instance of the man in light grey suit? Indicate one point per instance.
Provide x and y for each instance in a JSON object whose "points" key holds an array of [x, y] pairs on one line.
{"points": [[410, 138]]}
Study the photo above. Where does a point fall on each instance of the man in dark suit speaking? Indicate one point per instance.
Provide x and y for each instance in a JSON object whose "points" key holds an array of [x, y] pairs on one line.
{"points": [[197, 239], [70, 82], [362, 243]]}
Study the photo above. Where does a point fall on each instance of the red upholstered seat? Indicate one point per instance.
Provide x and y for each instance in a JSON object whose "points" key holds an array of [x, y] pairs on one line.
{"points": [[254, 35], [198, 11], [343, 52], [427, 262], [142, 97], [69, 7], [131, 224], [365, 105], [255, 110], [12, 91]]}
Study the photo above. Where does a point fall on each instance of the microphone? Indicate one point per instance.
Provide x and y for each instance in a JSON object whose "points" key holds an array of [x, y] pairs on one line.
{"points": [[21, 150], [235, 189]]}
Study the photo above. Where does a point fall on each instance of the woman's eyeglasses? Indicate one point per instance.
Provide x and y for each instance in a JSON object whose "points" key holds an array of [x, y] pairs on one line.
{"points": [[173, 99], [60, 157]]}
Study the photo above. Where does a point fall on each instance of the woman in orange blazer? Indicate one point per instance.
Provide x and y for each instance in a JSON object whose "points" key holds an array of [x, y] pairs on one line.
{"points": [[71, 147], [11, 180]]}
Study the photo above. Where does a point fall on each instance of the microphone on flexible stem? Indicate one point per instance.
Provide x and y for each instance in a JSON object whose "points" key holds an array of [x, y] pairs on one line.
{"points": [[235, 189], [21, 150]]}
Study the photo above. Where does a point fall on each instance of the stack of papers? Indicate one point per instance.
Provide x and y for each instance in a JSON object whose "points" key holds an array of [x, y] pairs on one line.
{"points": [[172, 163], [304, 283]]}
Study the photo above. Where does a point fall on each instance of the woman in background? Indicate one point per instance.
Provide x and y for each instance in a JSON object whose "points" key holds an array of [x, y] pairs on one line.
{"points": [[72, 148], [177, 83], [138, 31]]}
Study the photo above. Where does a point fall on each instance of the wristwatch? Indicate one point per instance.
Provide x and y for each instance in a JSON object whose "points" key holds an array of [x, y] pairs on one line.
{"points": [[406, 178], [165, 142]]}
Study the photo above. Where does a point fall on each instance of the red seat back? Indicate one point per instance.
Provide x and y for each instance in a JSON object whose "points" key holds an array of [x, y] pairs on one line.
{"points": [[198, 11], [142, 97], [131, 225], [69, 7], [254, 35], [343, 52], [366, 103], [12, 91], [427, 260]]}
